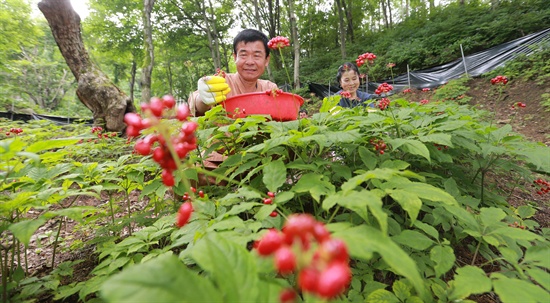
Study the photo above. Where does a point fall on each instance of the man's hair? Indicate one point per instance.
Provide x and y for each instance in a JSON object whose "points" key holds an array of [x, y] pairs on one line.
{"points": [[303, 111], [344, 68], [251, 35]]}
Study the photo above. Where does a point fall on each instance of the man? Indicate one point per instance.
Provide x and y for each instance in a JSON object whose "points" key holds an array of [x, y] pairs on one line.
{"points": [[303, 113], [251, 56]]}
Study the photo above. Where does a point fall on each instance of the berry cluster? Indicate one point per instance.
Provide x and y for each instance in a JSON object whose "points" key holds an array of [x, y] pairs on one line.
{"points": [[305, 247], [499, 80], [390, 65], [220, 73], [345, 94], [519, 104], [440, 147], [424, 101], [15, 131], [383, 88], [544, 186], [407, 91], [517, 225], [426, 89], [366, 57], [156, 143], [99, 131], [379, 145], [269, 200], [383, 103], [278, 42]]}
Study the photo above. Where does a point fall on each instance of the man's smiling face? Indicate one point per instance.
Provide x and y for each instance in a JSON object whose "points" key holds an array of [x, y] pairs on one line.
{"points": [[251, 60]]}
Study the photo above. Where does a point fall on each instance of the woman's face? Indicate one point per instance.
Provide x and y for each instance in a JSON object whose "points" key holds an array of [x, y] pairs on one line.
{"points": [[250, 60], [350, 81]]}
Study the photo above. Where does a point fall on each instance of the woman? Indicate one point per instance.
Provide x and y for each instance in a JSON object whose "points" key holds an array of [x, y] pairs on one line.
{"points": [[348, 78]]}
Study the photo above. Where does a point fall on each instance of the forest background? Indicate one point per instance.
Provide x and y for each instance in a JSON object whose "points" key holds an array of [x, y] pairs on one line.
{"points": [[192, 39]]}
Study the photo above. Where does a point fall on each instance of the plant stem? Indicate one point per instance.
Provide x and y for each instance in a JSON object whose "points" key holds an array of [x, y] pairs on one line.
{"points": [[333, 214], [129, 212], [55, 241], [284, 66], [4, 275], [475, 253]]}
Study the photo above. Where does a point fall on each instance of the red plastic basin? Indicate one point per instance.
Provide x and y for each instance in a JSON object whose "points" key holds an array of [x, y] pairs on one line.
{"points": [[281, 106]]}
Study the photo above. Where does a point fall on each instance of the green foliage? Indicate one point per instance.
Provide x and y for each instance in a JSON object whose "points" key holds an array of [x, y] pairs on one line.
{"points": [[455, 90]]}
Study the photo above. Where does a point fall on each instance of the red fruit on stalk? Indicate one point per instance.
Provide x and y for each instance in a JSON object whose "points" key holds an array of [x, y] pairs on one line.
{"points": [[287, 296], [270, 242], [182, 112], [308, 279], [158, 154], [320, 232], [285, 261], [132, 119], [201, 194], [334, 280], [268, 201], [298, 224], [271, 194], [189, 127], [169, 101], [156, 106], [334, 250], [142, 147], [184, 213], [168, 178]]}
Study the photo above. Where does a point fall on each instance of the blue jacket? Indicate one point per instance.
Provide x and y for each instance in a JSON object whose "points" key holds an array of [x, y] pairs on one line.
{"points": [[344, 102]]}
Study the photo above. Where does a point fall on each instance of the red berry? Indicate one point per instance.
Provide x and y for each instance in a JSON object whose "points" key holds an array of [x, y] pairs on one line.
{"points": [[271, 194], [182, 113], [299, 225], [168, 101], [132, 119], [334, 280], [334, 250], [268, 201], [184, 213], [273, 214], [156, 106], [308, 279], [285, 261], [168, 178], [270, 242], [193, 189], [201, 194], [189, 127], [287, 296], [143, 148], [320, 232]]}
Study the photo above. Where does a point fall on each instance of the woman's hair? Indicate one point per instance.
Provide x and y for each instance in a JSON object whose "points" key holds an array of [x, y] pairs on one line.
{"points": [[344, 68], [251, 35]]}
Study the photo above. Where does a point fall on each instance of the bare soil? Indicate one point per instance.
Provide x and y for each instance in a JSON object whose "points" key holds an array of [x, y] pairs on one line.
{"points": [[533, 122]]}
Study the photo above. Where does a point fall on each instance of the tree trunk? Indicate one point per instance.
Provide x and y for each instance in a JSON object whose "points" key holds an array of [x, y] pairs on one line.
{"points": [[295, 43], [147, 69], [349, 19], [342, 29], [215, 36], [133, 78], [384, 13], [106, 101]]}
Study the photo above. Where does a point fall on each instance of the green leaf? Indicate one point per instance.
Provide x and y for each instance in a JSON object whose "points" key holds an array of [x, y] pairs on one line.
{"points": [[164, 279], [540, 276], [24, 230], [220, 257], [409, 202], [274, 175], [538, 255], [439, 138], [517, 233], [515, 290], [413, 239], [469, 280], [363, 240], [315, 184], [429, 192], [359, 202], [381, 296], [50, 144], [368, 157], [428, 229], [490, 216], [401, 290], [414, 147], [444, 259]]}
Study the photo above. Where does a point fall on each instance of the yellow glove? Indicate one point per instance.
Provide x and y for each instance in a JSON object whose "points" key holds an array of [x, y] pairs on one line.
{"points": [[213, 89]]}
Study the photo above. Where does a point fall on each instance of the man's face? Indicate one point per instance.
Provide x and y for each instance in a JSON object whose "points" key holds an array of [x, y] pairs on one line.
{"points": [[250, 60], [303, 115]]}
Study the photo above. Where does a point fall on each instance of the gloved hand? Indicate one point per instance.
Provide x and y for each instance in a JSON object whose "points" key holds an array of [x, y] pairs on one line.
{"points": [[213, 89]]}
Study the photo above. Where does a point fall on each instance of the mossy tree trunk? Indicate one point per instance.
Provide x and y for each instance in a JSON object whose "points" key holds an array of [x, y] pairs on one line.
{"points": [[95, 90]]}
